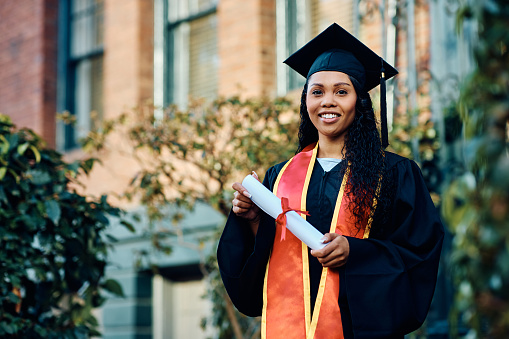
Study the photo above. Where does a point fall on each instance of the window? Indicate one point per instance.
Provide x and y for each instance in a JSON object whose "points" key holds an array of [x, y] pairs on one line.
{"points": [[295, 27], [178, 305], [291, 35], [80, 67], [192, 63]]}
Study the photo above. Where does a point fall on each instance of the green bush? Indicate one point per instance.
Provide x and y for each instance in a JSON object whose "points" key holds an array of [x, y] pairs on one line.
{"points": [[53, 247], [476, 204]]}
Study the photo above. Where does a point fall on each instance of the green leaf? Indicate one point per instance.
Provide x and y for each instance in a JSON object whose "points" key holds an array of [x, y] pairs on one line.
{"points": [[12, 140], [3, 197], [13, 298], [74, 167], [22, 148], [87, 165], [39, 177], [3, 170], [16, 177], [5, 145], [7, 328], [36, 152], [114, 287], [111, 238], [128, 225], [41, 331], [53, 210]]}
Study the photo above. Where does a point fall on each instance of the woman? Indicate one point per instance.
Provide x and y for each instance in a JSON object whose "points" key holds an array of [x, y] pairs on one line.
{"points": [[376, 276]]}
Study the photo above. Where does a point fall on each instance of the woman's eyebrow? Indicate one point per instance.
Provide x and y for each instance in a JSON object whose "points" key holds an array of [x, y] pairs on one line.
{"points": [[335, 85], [342, 84]]}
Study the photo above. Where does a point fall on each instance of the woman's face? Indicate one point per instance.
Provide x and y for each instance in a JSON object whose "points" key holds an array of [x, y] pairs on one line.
{"points": [[330, 100]]}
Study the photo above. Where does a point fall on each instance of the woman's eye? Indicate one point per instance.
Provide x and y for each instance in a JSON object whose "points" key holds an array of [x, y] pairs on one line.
{"points": [[316, 92], [342, 92]]}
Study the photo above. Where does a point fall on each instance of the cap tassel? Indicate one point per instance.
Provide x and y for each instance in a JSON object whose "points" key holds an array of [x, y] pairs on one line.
{"points": [[383, 109]]}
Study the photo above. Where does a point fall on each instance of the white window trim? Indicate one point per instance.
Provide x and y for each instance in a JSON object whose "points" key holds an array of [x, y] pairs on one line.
{"points": [[282, 52], [159, 27]]}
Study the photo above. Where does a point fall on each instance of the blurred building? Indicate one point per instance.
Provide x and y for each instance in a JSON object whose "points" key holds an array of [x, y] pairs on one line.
{"points": [[95, 58]]}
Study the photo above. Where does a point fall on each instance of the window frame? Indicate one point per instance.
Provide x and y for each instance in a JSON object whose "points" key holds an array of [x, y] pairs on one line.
{"points": [[293, 30], [170, 82], [67, 66]]}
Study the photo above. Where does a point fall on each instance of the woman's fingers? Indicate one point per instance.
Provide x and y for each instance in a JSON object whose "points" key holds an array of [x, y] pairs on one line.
{"points": [[322, 252], [241, 197], [239, 210], [242, 204], [328, 238], [335, 253], [237, 186], [333, 260], [253, 173]]}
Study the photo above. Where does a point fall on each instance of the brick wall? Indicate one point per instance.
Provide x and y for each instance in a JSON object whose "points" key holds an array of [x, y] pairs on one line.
{"points": [[28, 61], [128, 54], [247, 40]]}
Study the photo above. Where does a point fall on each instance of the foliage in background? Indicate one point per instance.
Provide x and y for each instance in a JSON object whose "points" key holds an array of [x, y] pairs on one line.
{"points": [[196, 154], [53, 247], [476, 204], [403, 133], [420, 143]]}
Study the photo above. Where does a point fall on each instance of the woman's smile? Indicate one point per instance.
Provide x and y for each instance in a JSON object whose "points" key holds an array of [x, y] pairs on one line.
{"points": [[329, 117]]}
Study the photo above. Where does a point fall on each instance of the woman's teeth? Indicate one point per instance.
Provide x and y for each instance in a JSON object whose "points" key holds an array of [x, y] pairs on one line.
{"points": [[330, 116]]}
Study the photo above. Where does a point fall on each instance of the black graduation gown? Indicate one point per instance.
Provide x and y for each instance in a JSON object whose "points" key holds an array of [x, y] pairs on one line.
{"points": [[387, 284]]}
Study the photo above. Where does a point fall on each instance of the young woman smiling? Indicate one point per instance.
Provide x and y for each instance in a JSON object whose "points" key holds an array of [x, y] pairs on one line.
{"points": [[376, 276]]}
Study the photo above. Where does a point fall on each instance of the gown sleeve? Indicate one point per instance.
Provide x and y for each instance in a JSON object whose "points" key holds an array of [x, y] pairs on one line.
{"points": [[242, 257], [390, 280]]}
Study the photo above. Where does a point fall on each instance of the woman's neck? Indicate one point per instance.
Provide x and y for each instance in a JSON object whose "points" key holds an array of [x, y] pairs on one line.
{"points": [[328, 148]]}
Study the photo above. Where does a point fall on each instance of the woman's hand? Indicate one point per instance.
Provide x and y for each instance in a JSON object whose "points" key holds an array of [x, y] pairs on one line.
{"points": [[335, 253], [243, 207]]}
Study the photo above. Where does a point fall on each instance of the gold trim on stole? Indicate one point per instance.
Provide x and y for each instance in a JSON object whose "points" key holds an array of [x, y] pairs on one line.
{"points": [[305, 258], [325, 270], [264, 309], [373, 209]]}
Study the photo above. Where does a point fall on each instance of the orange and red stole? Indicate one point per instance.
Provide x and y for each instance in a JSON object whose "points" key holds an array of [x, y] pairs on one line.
{"points": [[286, 292]]}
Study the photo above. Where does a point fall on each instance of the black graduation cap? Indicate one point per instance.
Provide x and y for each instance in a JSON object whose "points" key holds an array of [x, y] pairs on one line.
{"points": [[337, 50]]}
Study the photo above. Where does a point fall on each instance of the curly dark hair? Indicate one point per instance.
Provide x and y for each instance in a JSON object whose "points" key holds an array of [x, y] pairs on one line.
{"points": [[362, 150]]}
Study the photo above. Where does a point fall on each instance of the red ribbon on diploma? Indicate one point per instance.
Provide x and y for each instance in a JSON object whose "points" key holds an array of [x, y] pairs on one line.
{"points": [[281, 218]]}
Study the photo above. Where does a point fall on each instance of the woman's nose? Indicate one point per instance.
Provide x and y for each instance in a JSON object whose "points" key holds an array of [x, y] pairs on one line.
{"points": [[328, 100]]}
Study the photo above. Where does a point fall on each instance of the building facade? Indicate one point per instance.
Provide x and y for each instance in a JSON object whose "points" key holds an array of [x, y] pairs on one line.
{"points": [[96, 58]]}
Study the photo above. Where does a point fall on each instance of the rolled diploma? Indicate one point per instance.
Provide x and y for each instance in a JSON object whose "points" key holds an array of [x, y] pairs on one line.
{"points": [[271, 205]]}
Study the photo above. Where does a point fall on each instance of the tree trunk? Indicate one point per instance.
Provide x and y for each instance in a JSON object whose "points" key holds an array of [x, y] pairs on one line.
{"points": [[233, 318]]}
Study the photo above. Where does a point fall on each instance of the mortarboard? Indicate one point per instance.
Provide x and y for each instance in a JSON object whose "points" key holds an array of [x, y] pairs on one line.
{"points": [[337, 50]]}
